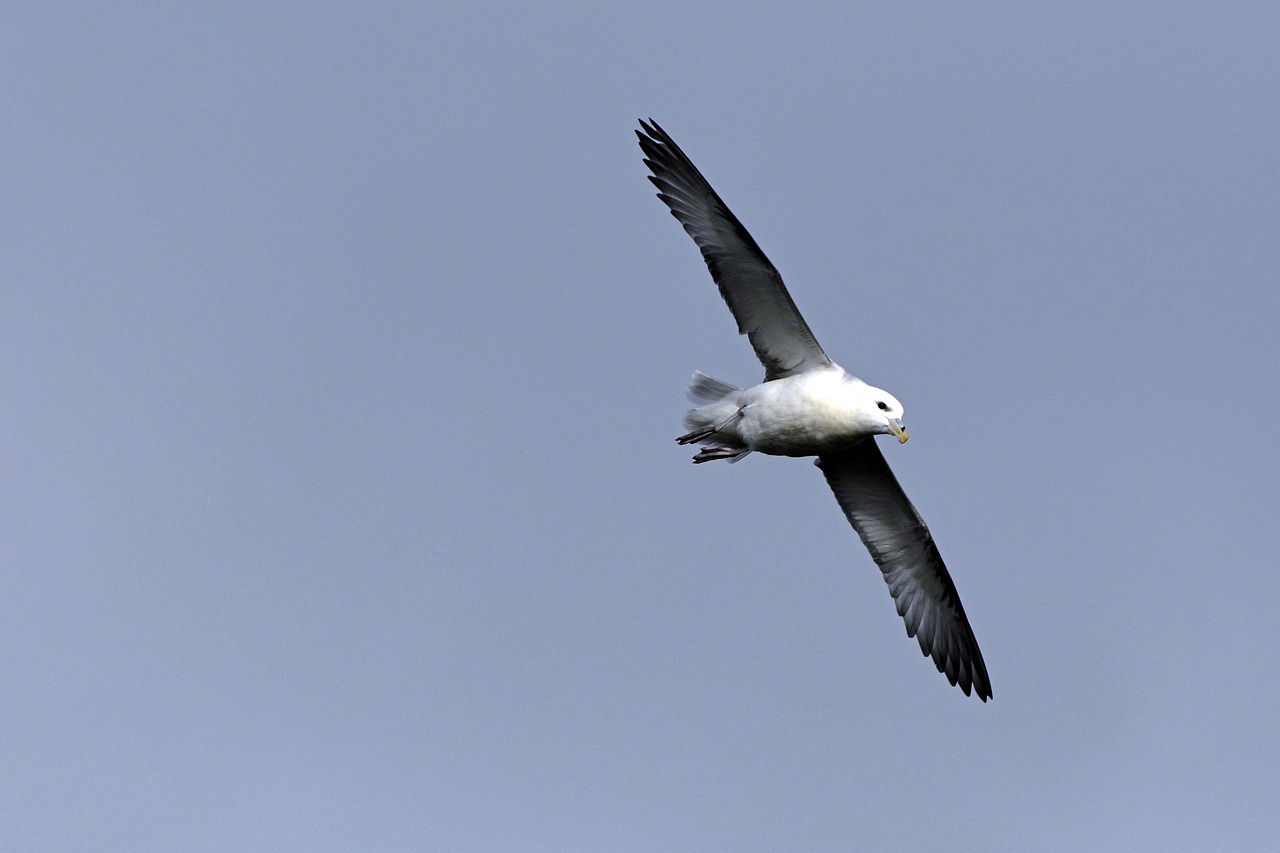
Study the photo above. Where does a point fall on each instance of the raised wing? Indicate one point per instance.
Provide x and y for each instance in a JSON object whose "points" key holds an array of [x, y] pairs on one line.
{"points": [[748, 282], [900, 544]]}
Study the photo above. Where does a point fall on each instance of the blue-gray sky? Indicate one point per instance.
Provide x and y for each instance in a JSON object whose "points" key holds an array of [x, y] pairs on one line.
{"points": [[343, 352]]}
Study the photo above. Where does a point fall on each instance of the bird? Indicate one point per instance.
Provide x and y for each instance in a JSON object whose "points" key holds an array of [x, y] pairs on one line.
{"points": [[808, 405]]}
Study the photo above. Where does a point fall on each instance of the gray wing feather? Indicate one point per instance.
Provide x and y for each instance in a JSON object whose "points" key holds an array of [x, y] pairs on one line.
{"points": [[748, 282], [904, 550]]}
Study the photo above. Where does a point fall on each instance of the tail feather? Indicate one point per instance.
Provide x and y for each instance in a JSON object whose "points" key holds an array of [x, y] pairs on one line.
{"points": [[708, 389]]}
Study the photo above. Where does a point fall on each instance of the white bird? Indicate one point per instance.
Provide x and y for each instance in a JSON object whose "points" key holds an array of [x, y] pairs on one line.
{"points": [[810, 406]]}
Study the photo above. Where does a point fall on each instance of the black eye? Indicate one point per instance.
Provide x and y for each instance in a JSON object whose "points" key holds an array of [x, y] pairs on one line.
{"points": [[881, 404]]}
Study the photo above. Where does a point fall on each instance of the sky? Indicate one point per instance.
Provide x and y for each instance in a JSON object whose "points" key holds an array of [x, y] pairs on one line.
{"points": [[344, 349]]}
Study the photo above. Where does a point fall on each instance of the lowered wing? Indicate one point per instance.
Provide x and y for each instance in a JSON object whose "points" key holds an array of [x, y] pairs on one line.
{"points": [[902, 547]]}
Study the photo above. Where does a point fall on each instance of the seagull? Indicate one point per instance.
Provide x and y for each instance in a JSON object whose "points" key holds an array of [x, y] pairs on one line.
{"points": [[810, 406]]}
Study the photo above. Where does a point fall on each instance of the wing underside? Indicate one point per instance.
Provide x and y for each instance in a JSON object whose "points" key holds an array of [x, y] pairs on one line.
{"points": [[749, 283], [903, 548]]}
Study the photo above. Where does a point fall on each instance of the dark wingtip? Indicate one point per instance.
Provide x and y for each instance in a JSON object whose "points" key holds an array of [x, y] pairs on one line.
{"points": [[980, 682], [653, 131]]}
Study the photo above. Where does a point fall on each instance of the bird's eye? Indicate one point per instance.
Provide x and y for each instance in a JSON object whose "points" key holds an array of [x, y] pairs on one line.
{"points": [[883, 406]]}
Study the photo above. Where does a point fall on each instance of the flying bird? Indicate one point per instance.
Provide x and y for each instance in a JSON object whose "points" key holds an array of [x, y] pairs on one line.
{"points": [[810, 406]]}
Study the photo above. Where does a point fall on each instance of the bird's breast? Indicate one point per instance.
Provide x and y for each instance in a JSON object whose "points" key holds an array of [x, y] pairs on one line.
{"points": [[805, 415]]}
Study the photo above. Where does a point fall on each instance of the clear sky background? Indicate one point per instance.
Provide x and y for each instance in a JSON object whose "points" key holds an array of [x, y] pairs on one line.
{"points": [[343, 349]]}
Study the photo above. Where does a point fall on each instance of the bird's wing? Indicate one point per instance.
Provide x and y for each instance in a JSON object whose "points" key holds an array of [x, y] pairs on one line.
{"points": [[900, 544], [748, 282]]}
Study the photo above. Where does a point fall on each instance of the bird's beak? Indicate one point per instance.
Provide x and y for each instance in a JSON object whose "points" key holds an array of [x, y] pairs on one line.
{"points": [[897, 430]]}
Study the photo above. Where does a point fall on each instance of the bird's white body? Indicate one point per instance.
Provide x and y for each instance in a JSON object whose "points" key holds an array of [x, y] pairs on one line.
{"points": [[822, 411]]}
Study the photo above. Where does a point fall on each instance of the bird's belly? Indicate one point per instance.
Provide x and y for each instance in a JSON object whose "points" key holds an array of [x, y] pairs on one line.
{"points": [[795, 426]]}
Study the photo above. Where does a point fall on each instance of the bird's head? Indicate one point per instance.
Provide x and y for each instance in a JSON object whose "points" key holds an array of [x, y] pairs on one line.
{"points": [[885, 412]]}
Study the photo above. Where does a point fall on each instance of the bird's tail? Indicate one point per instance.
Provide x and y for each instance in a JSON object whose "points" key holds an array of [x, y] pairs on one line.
{"points": [[713, 420], [708, 389]]}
